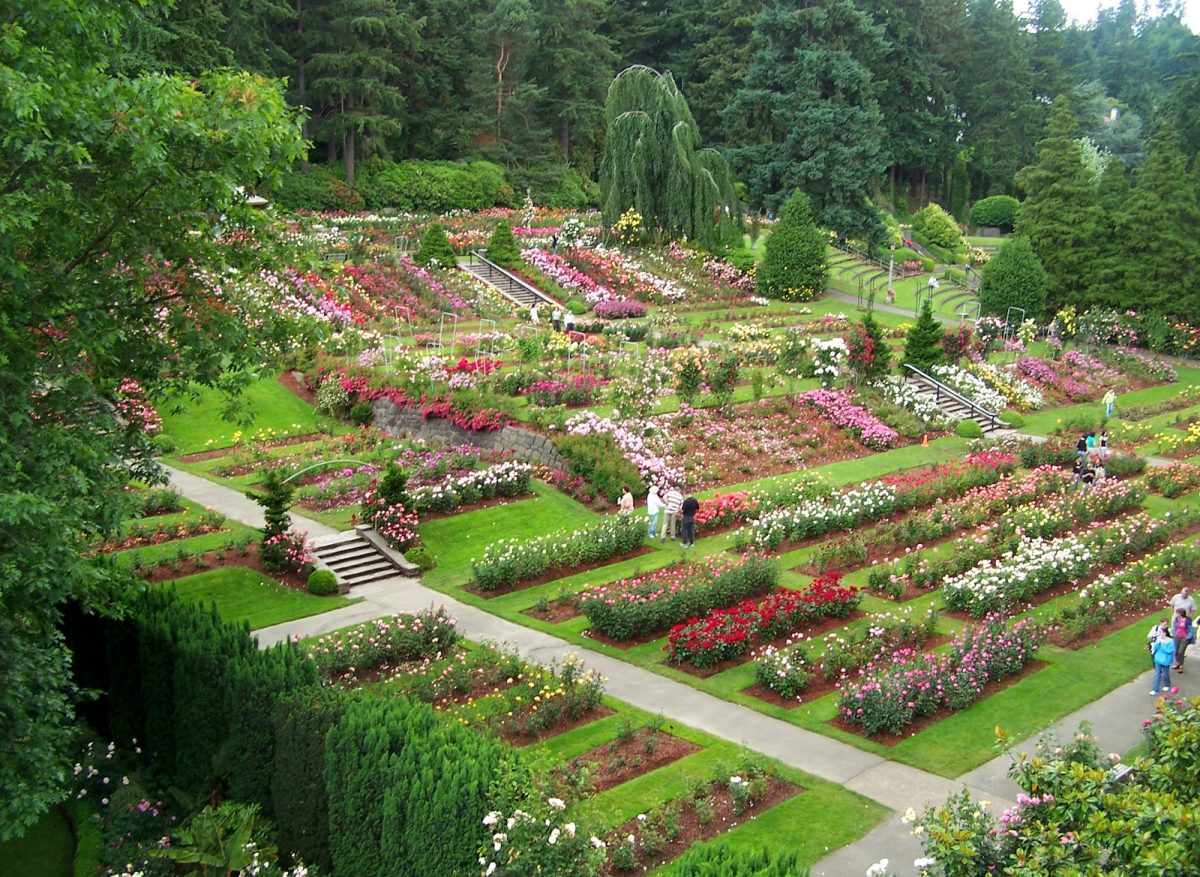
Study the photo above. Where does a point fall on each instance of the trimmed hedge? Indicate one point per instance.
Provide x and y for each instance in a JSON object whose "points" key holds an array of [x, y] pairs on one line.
{"points": [[997, 211]]}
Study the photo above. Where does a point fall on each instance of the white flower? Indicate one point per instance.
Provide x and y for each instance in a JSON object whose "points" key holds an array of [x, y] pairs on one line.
{"points": [[491, 819], [570, 828], [641, 817], [597, 843], [553, 839], [879, 869], [556, 803], [491, 869], [910, 815]]}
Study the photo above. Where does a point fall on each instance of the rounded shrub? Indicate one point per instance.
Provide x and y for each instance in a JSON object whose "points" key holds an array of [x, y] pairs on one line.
{"points": [[1013, 278], [1013, 419], [998, 211], [968, 429], [793, 266], [322, 582], [421, 557], [937, 227], [362, 414]]}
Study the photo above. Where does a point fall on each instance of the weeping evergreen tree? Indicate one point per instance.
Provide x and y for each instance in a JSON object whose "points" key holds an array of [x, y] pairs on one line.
{"points": [[653, 163]]}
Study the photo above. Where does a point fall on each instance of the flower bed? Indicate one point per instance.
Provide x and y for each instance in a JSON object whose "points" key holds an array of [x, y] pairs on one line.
{"points": [[574, 392], [509, 561], [1016, 392], [399, 638], [505, 480], [619, 309], [971, 386], [1174, 480], [836, 405], [730, 633], [789, 670], [917, 685], [641, 606]]}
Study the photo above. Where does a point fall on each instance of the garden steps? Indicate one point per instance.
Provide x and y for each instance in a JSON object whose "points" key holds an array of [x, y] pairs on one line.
{"points": [[506, 283], [952, 407], [356, 560]]}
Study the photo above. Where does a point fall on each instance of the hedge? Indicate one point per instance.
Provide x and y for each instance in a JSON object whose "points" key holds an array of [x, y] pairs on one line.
{"points": [[998, 211]]}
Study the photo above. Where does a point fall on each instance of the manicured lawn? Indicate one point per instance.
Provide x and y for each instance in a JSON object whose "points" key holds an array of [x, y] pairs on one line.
{"points": [[196, 426], [243, 594], [1044, 422], [46, 850]]}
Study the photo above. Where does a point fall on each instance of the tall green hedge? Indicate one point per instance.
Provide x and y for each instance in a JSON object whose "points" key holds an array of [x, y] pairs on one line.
{"points": [[1014, 278], [793, 266], [997, 211]]}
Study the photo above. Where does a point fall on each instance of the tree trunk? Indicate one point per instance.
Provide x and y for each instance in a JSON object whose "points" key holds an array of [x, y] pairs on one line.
{"points": [[348, 142], [301, 85], [564, 137], [331, 149]]}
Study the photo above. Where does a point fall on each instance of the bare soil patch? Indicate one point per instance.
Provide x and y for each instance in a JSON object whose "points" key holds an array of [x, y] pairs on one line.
{"points": [[215, 453], [619, 761]]}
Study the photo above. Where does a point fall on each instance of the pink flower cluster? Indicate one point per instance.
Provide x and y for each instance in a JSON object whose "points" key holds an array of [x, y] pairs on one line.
{"points": [[617, 309], [836, 405], [132, 405], [566, 275], [634, 448]]}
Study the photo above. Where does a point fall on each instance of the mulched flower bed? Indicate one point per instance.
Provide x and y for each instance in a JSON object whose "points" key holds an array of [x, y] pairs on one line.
{"points": [[164, 572], [302, 390], [560, 610], [691, 831], [516, 738], [929, 721], [556, 573], [159, 537], [216, 453], [622, 760]]}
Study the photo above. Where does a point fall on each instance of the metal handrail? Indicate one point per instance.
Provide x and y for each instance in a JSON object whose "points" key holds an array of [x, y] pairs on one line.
{"points": [[940, 388], [512, 280]]}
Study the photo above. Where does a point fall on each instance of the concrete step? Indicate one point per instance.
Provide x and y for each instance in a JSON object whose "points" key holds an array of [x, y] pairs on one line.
{"points": [[354, 559]]}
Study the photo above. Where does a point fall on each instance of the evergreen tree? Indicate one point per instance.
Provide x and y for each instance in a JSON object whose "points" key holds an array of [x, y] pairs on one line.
{"points": [[504, 94], [1059, 215], [653, 163], [1110, 268], [435, 247], [923, 343], [793, 266], [1162, 247], [1014, 278], [808, 113], [710, 63], [870, 357], [502, 248]]}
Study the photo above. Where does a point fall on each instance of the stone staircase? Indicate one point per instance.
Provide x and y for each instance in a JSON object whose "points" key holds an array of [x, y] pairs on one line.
{"points": [[506, 283], [360, 556], [955, 406]]}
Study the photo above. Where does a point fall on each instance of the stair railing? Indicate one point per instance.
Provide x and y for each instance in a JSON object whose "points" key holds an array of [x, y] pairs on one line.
{"points": [[507, 282], [978, 412]]}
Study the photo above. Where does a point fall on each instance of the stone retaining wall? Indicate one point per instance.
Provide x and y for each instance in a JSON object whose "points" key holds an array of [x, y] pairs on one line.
{"points": [[525, 445]]}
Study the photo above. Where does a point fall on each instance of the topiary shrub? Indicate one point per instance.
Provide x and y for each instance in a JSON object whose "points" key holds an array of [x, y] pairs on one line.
{"points": [[362, 414], [435, 248], [998, 211], [1013, 278], [793, 266], [968, 429], [322, 582], [502, 248], [1013, 419], [421, 557], [923, 342], [937, 227]]}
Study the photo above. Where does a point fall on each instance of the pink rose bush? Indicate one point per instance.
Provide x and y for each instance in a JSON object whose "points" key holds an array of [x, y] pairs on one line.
{"points": [[836, 405]]}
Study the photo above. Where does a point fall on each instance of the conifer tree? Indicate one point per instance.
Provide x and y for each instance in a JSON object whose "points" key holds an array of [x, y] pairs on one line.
{"points": [[1110, 269], [502, 248], [923, 343], [1059, 215], [1014, 278], [869, 353], [793, 266], [435, 246]]}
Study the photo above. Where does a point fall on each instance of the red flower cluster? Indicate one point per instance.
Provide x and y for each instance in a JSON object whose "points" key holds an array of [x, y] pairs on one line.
{"points": [[729, 633], [484, 420], [485, 365], [726, 508], [946, 479]]}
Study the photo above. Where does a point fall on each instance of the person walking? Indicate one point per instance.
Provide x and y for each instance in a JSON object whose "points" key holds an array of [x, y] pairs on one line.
{"points": [[1101, 472], [1081, 446], [1104, 443], [1109, 400], [569, 324], [533, 315], [1185, 600], [1077, 469], [688, 510], [1164, 657], [1090, 442], [625, 503], [654, 505], [556, 319], [672, 501], [1088, 478], [1152, 638], [1182, 633]]}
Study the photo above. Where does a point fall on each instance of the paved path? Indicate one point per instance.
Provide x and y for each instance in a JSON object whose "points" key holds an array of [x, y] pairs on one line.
{"points": [[1116, 718]]}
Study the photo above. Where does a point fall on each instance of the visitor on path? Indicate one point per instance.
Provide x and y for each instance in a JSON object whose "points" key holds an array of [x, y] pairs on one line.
{"points": [[672, 502], [570, 321], [556, 319], [1185, 600], [688, 510], [1182, 633], [1088, 478], [1104, 444], [1109, 400], [533, 313], [1152, 638], [1101, 472], [1077, 469], [654, 505], [625, 503], [1091, 442], [1081, 446], [1164, 657]]}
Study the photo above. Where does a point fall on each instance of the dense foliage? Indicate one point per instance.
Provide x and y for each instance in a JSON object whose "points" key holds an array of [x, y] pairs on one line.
{"points": [[1014, 278], [793, 266]]}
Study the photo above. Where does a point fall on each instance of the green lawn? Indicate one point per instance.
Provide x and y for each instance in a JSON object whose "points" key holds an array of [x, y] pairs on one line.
{"points": [[243, 594], [1045, 422], [193, 423], [46, 850]]}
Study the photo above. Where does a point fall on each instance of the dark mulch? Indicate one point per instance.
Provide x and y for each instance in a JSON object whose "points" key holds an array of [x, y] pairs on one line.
{"points": [[619, 761], [691, 831], [927, 722], [158, 537], [222, 558], [561, 727], [557, 572], [302, 390], [215, 453], [562, 609]]}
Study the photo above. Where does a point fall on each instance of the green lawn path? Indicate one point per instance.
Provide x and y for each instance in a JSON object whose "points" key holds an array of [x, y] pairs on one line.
{"points": [[243, 594]]}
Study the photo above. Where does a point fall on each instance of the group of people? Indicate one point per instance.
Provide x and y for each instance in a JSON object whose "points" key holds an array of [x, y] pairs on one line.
{"points": [[1090, 453], [678, 513], [1169, 639], [562, 320]]}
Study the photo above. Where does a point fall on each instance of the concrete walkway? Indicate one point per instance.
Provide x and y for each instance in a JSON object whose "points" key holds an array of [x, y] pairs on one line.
{"points": [[1116, 718]]}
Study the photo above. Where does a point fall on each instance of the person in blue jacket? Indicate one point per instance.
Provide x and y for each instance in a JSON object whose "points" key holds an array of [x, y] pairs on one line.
{"points": [[1164, 656]]}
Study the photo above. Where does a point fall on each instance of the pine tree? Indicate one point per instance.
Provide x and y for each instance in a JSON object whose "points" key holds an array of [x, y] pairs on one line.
{"points": [[1162, 247], [923, 343], [435, 247], [793, 266], [1014, 278], [1059, 215], [502, 248], [1111, 268]]}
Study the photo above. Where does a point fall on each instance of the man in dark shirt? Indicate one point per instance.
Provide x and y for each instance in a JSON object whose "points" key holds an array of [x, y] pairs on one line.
{"points": [[687, 522]]}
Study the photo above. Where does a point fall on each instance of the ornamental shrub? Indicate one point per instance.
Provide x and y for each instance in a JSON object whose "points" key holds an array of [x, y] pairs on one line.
{"points": [[968, 429], [923, 342], [1012, 418], [998, 211], [870, 357], [421, 557], [793, 266], [1013, 278], [937, 227], [320, 188], [362, 414], [502, 248], [322, 582], [436, 248], [718, 858], [597, 460]]}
